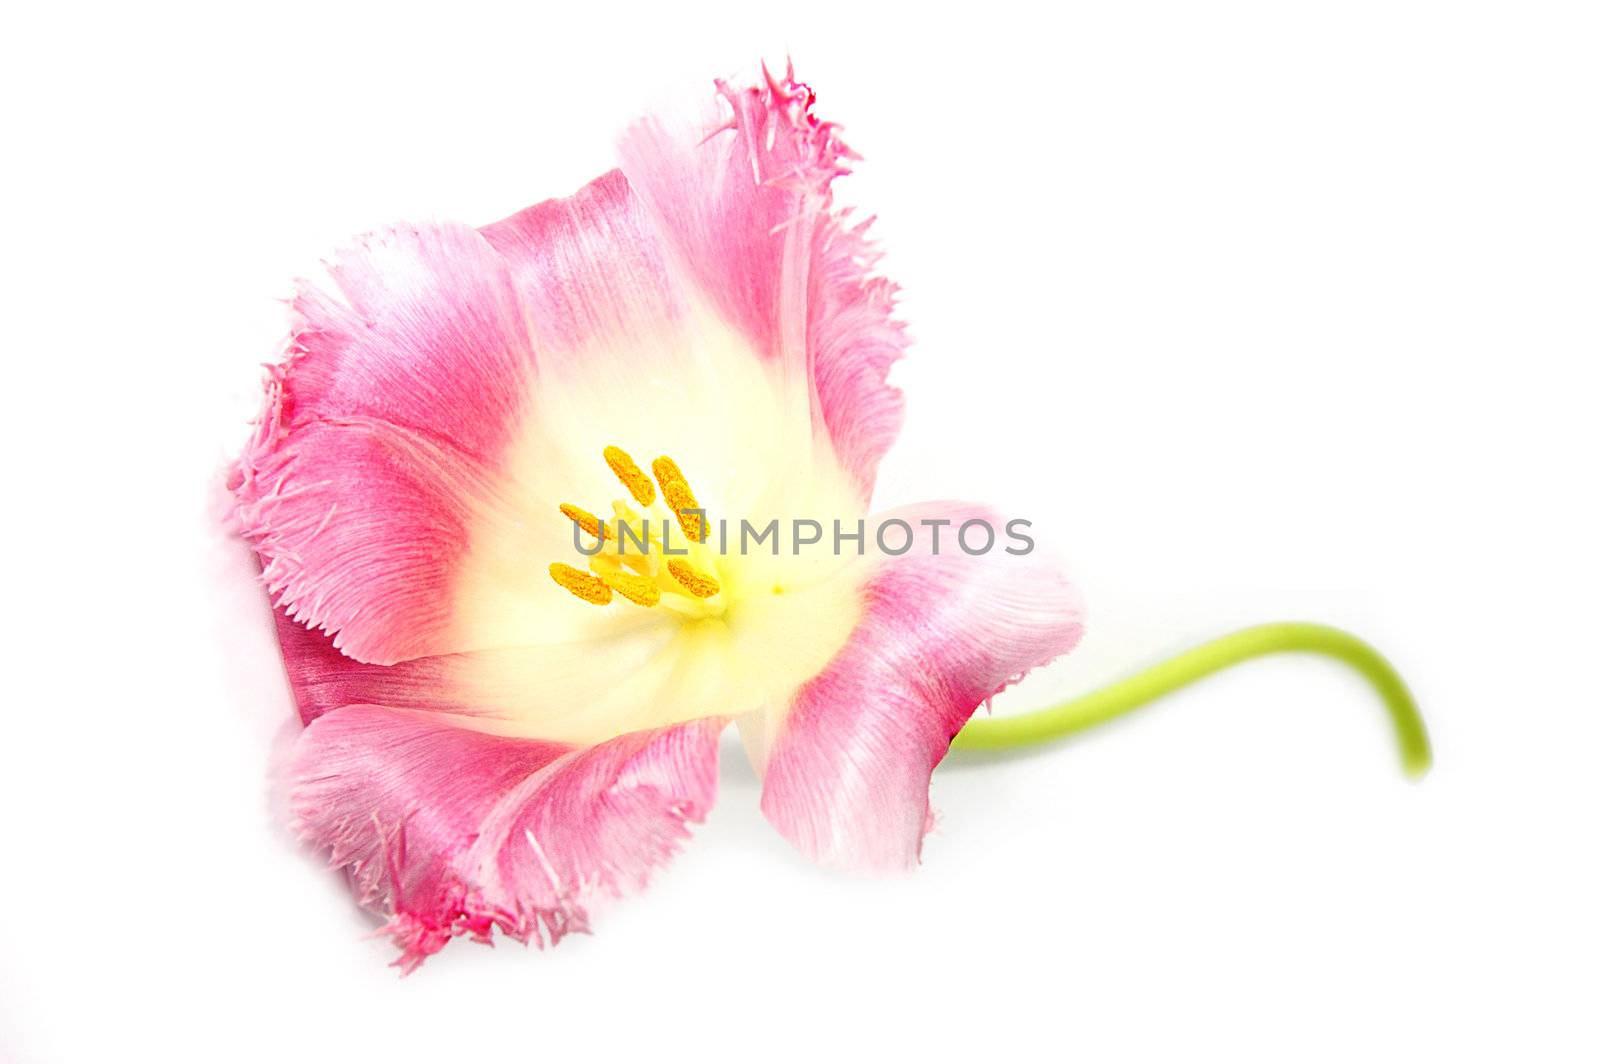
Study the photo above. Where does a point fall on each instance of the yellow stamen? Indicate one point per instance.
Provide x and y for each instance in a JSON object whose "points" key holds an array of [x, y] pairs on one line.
{"points": [[666, 470], [585, 520], [636, 575], [632, 477], [682, 502], [695, 582], [637, 589], [586, 586], [675, 490]]}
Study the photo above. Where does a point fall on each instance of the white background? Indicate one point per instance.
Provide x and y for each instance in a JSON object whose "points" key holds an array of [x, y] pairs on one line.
{"points": [[1260, 311]]}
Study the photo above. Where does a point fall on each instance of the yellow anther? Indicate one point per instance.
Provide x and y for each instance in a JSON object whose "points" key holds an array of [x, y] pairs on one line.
{"points": [[638, 589], [695, 582], [666, 471], [632, 477], [585, 520], [682, 502], [586, 586]]}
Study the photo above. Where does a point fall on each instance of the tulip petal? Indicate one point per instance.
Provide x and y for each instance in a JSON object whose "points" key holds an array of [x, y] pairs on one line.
{"points": [[323, 679], [628, 357], [371, 462], [592, 272], [846, 776], [450, 832], [744, 201]]}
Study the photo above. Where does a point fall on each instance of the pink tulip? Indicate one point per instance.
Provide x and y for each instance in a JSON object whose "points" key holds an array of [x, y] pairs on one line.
{"points": [[501, 727]]}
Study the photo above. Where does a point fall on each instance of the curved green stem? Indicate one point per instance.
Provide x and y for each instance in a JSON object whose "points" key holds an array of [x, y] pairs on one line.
{"points": [[1110, 702]]}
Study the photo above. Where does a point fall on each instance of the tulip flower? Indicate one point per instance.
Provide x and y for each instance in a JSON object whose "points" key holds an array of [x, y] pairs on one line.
{"points": [[503, 492]]}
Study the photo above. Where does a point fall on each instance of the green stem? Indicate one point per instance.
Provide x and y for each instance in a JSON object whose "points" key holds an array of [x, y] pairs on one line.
{"points": [[1108, 703]]}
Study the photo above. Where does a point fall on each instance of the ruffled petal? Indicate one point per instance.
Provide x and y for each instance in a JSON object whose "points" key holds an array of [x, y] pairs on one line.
{"points": [[431, 336], [448, 831], [854, 338], [847, 768], [744, 201], [373, 459]]}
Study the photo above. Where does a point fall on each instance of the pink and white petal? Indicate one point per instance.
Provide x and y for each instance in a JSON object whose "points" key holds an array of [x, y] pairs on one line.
{"points": [[847, 766], [360, 525], [431, 335], [449, 832], [592, 272], [631, 353], [382, 428], [631, 676], [622, 357], [745, 203]]}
